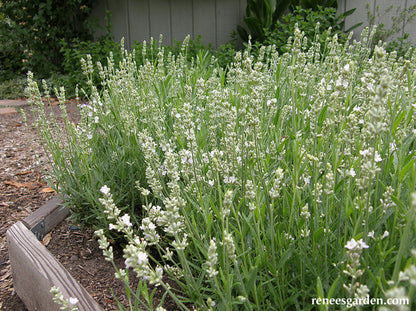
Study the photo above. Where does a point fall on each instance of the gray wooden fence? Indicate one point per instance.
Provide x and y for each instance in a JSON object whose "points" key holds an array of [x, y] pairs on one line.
{"points": [[138, 20], [215, 20]]}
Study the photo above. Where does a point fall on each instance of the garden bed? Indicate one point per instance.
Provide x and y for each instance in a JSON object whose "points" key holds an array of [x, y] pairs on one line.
{"points": [[231, 181]]}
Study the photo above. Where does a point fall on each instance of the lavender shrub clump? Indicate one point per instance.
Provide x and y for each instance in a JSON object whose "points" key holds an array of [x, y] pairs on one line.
{"points": [[284, 178]]}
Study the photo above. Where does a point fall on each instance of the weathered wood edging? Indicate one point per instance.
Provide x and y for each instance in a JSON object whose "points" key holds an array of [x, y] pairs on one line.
{"points": [[34, 268]]}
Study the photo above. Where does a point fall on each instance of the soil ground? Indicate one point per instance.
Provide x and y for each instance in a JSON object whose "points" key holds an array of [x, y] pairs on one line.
{"points": [[23, 189]]}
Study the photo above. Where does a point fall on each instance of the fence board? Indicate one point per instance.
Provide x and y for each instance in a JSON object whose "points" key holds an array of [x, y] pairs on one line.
{"points": [[139, 21], [410, 28], [205, 25], [227, 19], [360, 14], [380, 9], [119, 19], [182, 19], [160, 21]]}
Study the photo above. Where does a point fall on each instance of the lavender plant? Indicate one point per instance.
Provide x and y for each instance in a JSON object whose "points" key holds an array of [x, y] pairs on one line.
{"points": [[285, 178]]}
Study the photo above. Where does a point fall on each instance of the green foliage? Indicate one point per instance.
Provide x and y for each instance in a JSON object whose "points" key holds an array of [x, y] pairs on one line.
{"points": [[13, 88], [309, 21], [268, 20], [314, 4], [225, 54], [76, 50], [261, 15], [31, 32], [401, 45], [153, 48], [194, 49]]}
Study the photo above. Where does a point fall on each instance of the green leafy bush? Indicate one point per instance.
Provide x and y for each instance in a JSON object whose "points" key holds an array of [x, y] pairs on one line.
{"points": [[31, 32], [13, 88], [261, 16], [287, 178], [76, 50], [314, 4], [225, 54], [311, 22], [194, 48]]}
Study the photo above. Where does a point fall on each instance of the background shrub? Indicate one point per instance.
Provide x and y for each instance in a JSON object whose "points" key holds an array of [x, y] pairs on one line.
{"points": [[13, 88], [261, 15], [307, 21], [76, 50], [313, 4], [31, 32]]}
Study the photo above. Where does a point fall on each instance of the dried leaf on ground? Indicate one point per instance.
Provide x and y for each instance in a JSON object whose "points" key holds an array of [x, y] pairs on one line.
{"points": [[23, 173], [46, 239], [47, 190], [29, 185]]}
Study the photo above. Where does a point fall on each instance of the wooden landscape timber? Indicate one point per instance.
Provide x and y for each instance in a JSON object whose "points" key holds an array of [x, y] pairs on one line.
{"points": [[34, 268], [44, 219]]}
